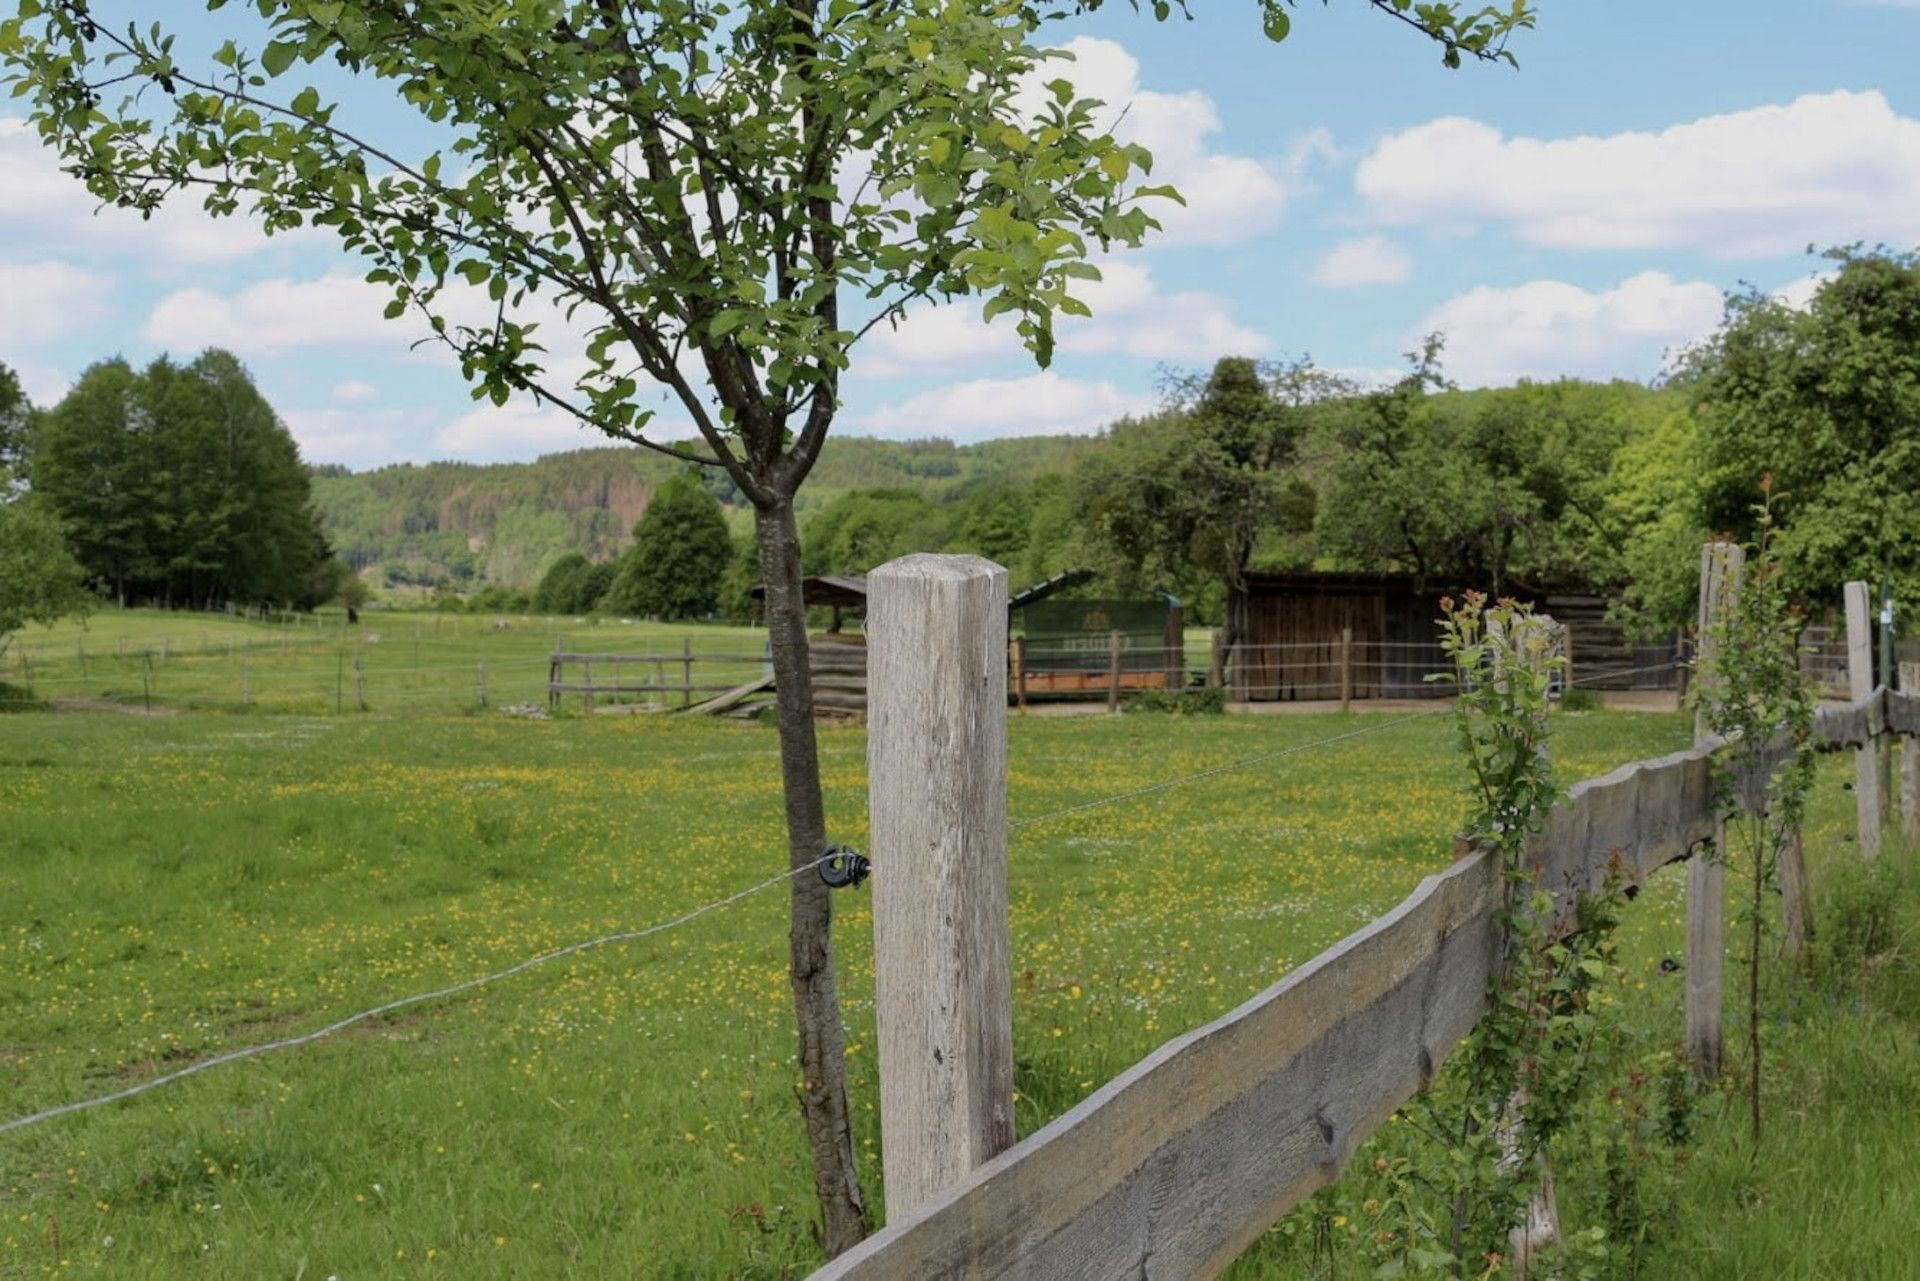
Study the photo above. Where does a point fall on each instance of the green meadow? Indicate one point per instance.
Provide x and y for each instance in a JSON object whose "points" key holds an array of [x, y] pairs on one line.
{"points": [[209, 877]]}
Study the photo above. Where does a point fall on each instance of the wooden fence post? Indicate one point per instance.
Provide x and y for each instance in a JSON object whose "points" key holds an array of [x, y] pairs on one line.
{"points": [[1721, 565], [936, 768], [359, 681], [246, 684], [481, 684], [1867, 801], [1175, 658], [1217, 660], [1910, 764], [146, 680], [686, 671], [339, 681], [1346, 669], [1019, 644], [1113, 672]]}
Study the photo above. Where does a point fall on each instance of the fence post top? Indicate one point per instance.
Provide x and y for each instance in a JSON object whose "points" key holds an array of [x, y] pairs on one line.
{"points": [[933, 567]]}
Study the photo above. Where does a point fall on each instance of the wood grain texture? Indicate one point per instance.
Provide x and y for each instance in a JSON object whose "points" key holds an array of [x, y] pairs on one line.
{"points": [[1721, 568], [937, 769], [1173, 1168], [1866, 769]]}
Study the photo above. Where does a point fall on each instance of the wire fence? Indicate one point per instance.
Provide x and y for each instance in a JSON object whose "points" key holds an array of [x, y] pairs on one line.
{"points": [[1376, 726]]}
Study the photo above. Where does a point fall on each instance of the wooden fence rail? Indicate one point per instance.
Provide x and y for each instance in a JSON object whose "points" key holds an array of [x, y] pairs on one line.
{"points": [[1173, 1168], [560, 684]]}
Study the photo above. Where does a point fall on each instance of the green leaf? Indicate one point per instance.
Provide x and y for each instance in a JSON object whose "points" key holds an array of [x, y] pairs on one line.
{"points": [[278, 56]]}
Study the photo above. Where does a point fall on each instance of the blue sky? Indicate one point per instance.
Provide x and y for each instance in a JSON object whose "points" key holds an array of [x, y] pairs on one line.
{"points": [[1582, 215]]}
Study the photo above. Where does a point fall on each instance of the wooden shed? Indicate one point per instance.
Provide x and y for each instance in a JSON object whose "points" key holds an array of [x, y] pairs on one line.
{"points": [[1289, 629]]}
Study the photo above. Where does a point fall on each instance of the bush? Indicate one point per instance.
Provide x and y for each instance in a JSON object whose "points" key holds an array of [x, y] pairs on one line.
{"points": [[1192, 702], [1579, 700]]}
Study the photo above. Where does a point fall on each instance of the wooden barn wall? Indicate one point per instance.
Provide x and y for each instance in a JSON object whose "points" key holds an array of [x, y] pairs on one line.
{"points": [[1264, 674], [1396, 645]]}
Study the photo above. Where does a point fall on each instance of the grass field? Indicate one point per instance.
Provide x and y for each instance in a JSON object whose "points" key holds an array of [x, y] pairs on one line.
{"points": [[413, 663], [172, 886]]}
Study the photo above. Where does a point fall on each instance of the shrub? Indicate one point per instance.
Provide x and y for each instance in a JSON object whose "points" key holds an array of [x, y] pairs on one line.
{"points": [[1192, 702]]}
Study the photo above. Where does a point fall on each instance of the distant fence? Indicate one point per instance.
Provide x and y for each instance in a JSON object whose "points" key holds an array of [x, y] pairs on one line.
{"points": [[1176, 1166], [618, 685]]}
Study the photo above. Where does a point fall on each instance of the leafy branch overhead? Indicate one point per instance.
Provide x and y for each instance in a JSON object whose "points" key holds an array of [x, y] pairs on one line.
{"points": [[714, 196]]}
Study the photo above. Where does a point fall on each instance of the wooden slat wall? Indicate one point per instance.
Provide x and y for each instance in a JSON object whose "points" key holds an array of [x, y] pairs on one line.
{"points": [[1178, 1164]]}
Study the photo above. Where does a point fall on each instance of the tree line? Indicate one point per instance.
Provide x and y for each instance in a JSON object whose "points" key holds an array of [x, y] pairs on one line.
{"points": [[175, 485], [1257, 465]]}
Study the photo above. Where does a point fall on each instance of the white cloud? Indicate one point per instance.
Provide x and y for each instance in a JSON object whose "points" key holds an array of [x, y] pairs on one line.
{"points": [[358, 438], [45, 385], [1131, 317], [1368, 260], [1824, 168], [44, 209], [275, 316], [1798, 294], [516, 430], [1040, 404], [355, 391], [1229, 197], [1546, 328], [47, 300]]}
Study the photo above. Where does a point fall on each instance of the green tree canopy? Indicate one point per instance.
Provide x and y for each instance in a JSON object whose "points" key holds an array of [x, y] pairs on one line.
{"points": [[180, 485], [868, 527], [40, 581], [1827, 400], [679, 556], [1187, 497], [15, 415], [559, 589], [1499, 489]]}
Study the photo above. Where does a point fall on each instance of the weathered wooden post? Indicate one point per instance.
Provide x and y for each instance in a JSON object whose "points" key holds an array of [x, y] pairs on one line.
{"points": [[1346, 669], [686, 671], [1910, 763], [1175, 639], [937, 785], [1868, 804], [1019, 644], [480, 686], [1721, 565], [146, 680], [1217, 660], [1113, 672], [359, 681], [246, 684]]}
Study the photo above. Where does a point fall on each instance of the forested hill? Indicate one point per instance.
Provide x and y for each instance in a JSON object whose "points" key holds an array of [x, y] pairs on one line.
{"points": [[468, 524]]}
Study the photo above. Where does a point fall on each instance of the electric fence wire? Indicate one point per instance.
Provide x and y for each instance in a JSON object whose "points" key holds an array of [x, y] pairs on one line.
{"points": [[631, 936], [453, 989]]}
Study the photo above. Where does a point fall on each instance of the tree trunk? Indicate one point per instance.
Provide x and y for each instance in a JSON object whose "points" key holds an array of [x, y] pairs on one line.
{"points": [[816, 995]]}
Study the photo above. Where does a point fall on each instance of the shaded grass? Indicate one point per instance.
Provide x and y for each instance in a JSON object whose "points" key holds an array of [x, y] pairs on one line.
{"points": [[1831, 1191]]}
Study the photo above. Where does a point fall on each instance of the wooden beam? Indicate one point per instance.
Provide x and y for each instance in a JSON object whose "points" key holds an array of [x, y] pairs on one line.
{"points": [[937, 784], [1721, 565], [1908, 695], [1178, 1164], [1869, 806]]}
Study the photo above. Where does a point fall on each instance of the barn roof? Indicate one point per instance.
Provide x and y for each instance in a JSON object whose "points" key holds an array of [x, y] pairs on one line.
{"points": [[849, 591], [844, 591]]}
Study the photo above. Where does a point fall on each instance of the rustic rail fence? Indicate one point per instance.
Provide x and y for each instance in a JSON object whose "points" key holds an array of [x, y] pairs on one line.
{"points": [[1173, 1168], [617, 685]]}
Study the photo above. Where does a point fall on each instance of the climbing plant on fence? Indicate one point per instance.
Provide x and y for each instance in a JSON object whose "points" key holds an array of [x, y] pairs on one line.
{"points": [[1754, 696]]}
